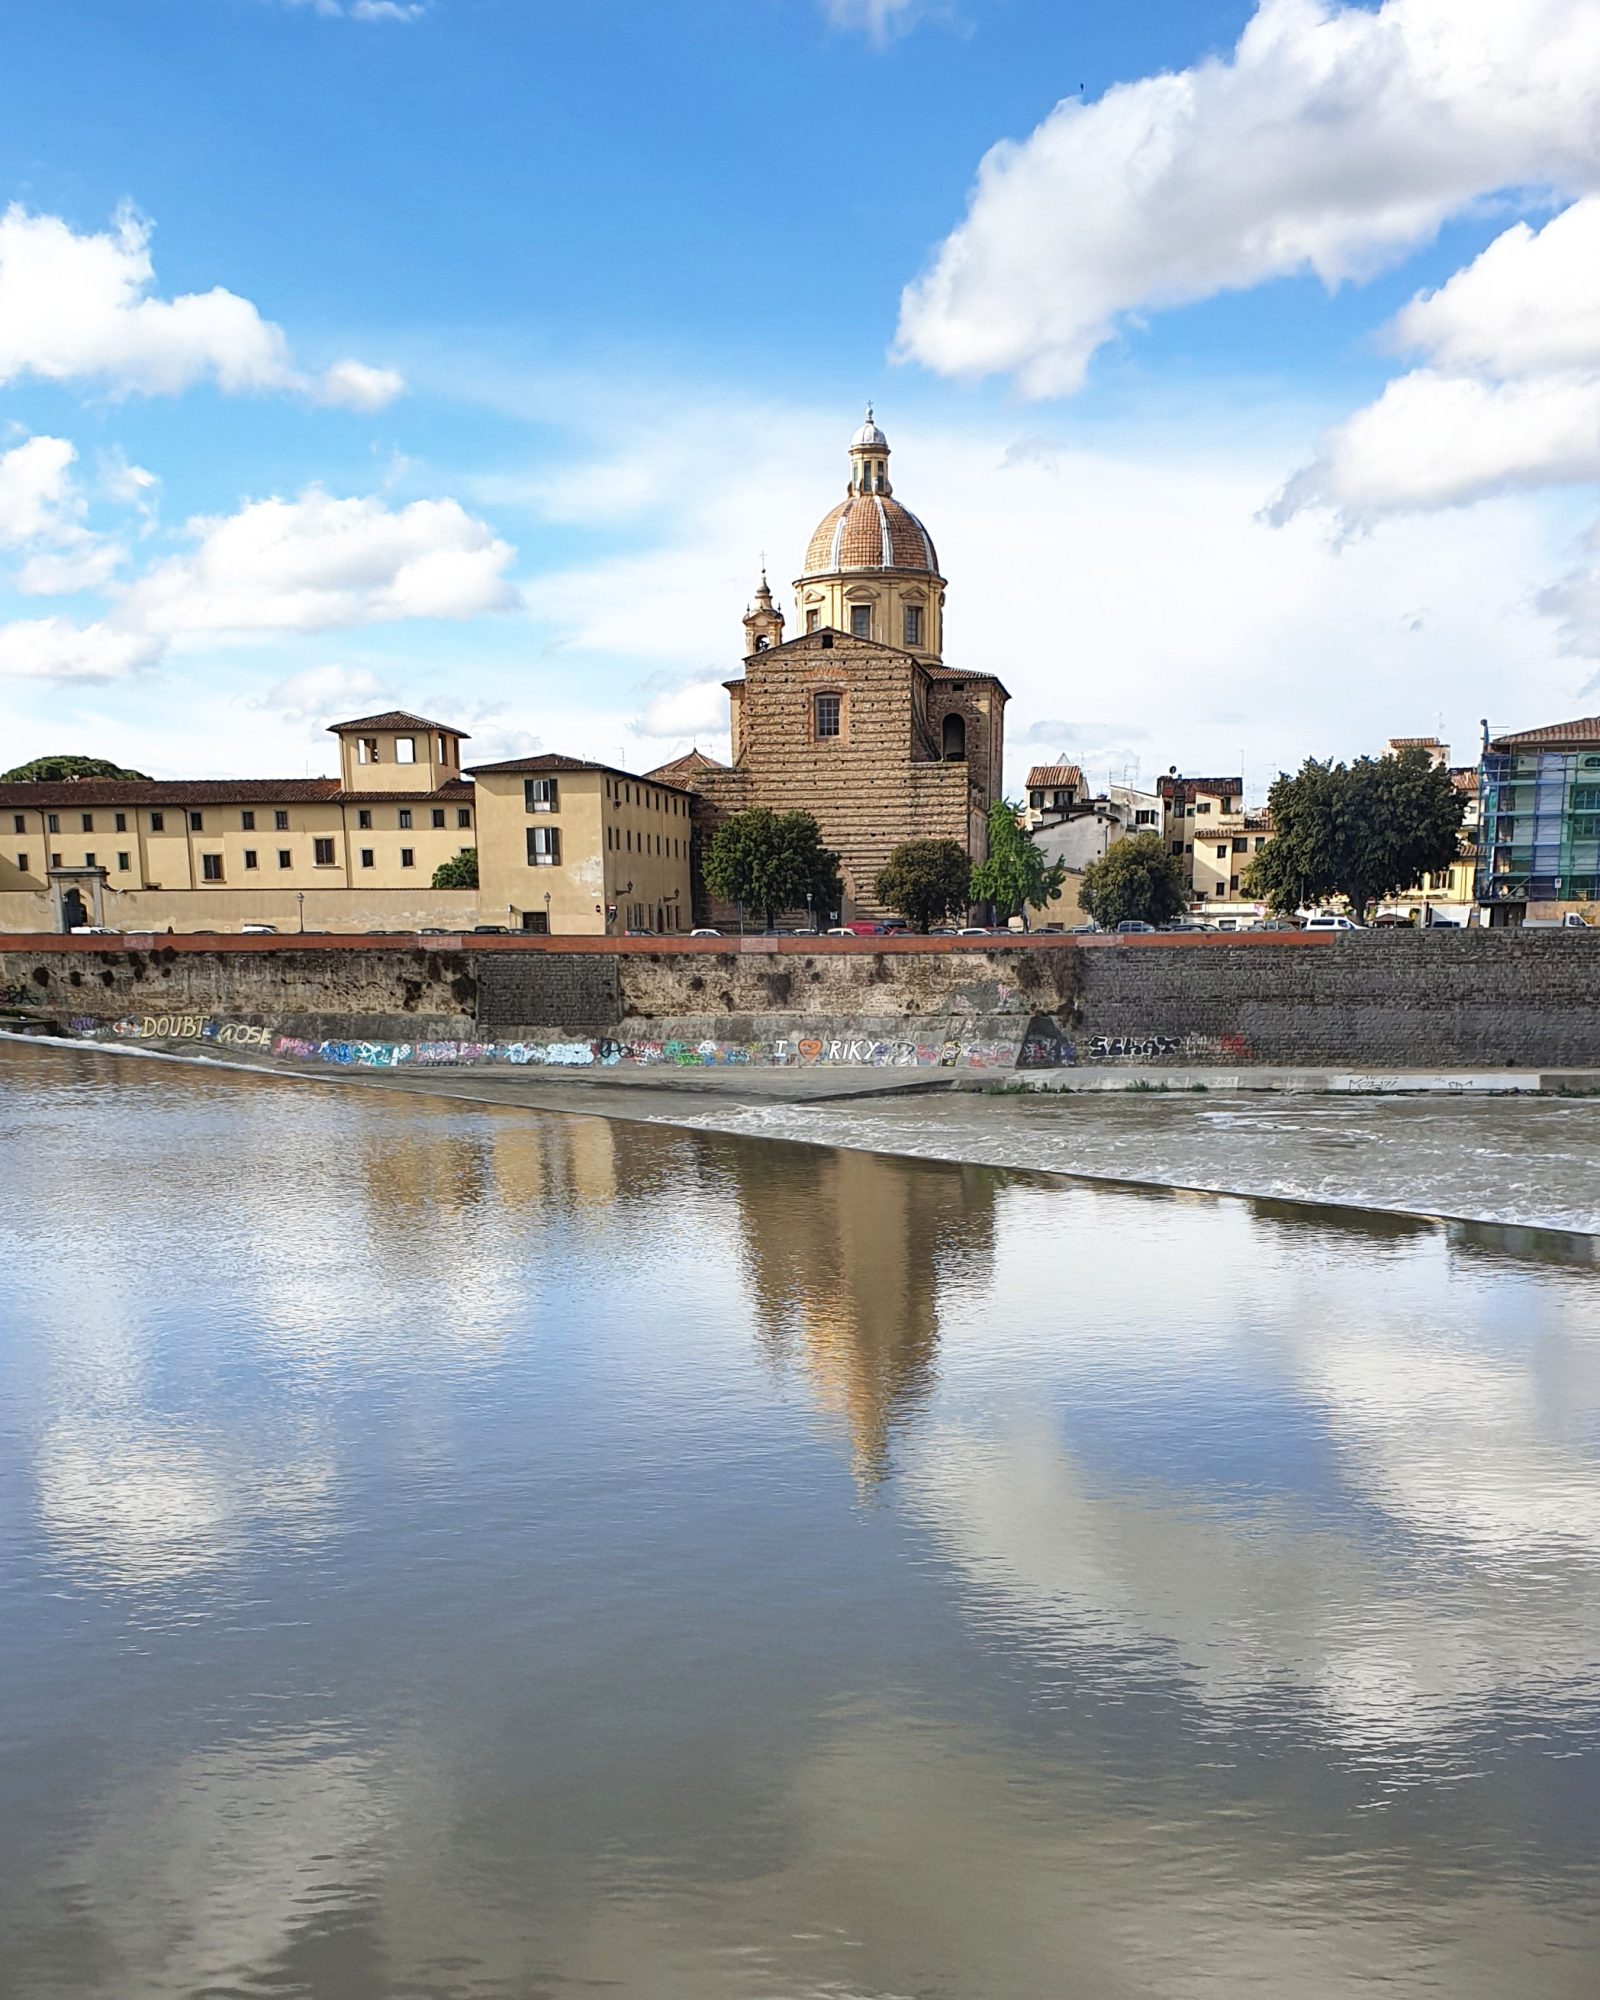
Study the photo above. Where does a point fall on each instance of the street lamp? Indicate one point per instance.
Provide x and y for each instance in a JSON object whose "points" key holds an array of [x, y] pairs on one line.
{"points": [[547, 912], [300, 898]]}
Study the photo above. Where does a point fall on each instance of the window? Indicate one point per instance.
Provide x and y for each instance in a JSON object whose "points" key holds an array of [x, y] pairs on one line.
{"points": [[158, 822], [121, 824], [249, 857], [813, 620], [368, 858], [88, 822], [1145, 818], [1222, 854], [88, 857], [861, 621], [629, 839], [285, 859], [123, 863], [247, 822], [367, 750], [1177, 847], [444, 750], [54, 822], [211, 867], [1241, 847], [404, 818], [544, 847], [537, 921], [22, 864], [463, 815], [197, 822], [1036, 800], [1204, 806], [364, 818], [55, 861], [405, 749], [408, 857], [438, 816], [280, 822], [829, 713], [322, 853], [913, 625], [18, 823]]}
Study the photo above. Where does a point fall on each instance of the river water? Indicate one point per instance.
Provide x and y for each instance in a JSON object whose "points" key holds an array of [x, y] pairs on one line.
{"points": [[456, 1551]]}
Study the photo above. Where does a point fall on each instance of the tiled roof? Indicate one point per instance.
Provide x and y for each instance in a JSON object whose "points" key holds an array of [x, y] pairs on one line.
{"points": [[1042, 776], [456, 793], [1465, 779], [395, 718], [685, 766], [1553, 736], [870, 531], [552, 761], [1193, 788], [1415, 743]]}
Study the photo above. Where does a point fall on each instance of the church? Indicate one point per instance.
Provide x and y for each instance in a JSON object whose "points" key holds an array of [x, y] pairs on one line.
{"points": [[856, 718]]}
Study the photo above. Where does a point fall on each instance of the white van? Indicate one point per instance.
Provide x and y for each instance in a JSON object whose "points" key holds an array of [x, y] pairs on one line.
{"points": [[1323, 922]]}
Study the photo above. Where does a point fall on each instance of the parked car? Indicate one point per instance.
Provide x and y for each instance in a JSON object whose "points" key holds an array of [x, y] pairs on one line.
{"points": [[705, 933], [1570, 922], [258, 930], [842, 930], [1084, 930], [95, 930], [1321, 921], [488, 930], [974, 930], [1134, 927]]}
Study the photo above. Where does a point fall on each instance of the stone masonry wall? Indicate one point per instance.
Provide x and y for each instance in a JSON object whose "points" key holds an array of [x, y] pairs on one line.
{"points": [[1384, 1000]]}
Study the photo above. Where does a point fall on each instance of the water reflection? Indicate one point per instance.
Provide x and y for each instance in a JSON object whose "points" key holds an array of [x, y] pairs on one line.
{"points": [[434, 1563]]}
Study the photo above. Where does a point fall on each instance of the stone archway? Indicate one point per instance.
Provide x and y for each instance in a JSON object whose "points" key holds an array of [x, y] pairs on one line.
{"points": [[953, 739]]}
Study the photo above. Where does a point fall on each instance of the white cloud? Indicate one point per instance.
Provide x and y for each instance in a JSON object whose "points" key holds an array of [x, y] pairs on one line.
{"points": [[365, 10], [56, 649], [1508, 396], [317, 563], [694, 709], [317, 694], [879, 20], [81, 308], [39, 498], [1333, 141], [91, 565]]}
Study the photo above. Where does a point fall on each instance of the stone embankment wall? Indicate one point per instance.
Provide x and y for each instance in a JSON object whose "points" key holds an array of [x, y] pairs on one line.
{"points": [[1381, 1001]]}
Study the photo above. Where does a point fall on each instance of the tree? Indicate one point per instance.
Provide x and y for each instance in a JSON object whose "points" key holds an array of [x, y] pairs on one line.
{"points": [[459, 872], [1363, 831], [1135, 881], [772, 862], [926, 880], [57, 770], [1016, 875]]}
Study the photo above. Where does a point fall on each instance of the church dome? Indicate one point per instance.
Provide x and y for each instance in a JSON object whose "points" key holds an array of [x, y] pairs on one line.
{"points": [[870, 531]]}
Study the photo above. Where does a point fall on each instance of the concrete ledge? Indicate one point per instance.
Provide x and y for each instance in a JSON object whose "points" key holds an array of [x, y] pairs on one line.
{"points": [[1386, 1083]]}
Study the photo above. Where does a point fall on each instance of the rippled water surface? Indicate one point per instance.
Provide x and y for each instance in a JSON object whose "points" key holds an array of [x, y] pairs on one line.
{"points": [[451, 1551]]}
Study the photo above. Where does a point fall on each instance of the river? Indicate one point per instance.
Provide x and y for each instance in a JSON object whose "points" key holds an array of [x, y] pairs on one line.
{"points": [[452, 1552]]}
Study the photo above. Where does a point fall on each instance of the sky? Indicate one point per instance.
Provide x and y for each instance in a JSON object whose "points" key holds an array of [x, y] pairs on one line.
{"points": [[1243, 361]]}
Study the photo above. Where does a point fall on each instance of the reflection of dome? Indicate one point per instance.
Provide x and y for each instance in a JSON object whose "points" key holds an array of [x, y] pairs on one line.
{"points": [[871, 531]]}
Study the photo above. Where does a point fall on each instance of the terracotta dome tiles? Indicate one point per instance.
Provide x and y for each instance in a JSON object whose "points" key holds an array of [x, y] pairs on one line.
{"points": [[870, 531]]}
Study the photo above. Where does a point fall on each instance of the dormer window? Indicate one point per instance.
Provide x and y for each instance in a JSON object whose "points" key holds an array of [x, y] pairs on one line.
{"points": [[405, 749]]}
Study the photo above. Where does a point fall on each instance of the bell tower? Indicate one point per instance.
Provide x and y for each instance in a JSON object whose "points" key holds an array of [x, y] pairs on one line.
{"points": [[763, 622]]}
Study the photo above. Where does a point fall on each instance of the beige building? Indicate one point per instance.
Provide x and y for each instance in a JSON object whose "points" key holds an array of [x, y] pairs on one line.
{"points": [[1449, 895], [570, 848], [356, 852]]}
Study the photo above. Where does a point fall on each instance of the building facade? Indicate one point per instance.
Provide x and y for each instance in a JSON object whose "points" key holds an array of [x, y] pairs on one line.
{"points": [[857, 719], [570, 848], [1539, 822]]}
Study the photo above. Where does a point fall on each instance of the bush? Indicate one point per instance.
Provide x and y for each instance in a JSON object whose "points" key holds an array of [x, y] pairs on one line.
{"points": [[926, 880]]}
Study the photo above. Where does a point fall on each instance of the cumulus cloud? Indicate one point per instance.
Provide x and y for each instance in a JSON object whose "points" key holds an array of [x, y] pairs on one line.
{"points": [[58, 650], [1334, 140], [693, 709], [42, 515], [317, 563], [313, 564], [318, 692], [82, 308], [1508, 395]]}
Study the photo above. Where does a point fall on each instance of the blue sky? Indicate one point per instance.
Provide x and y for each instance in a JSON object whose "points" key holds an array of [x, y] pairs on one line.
{"points": [[508, 336]]}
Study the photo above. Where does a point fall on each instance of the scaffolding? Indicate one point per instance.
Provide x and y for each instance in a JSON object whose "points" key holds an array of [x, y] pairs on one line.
{"points": [[1539, 835]]}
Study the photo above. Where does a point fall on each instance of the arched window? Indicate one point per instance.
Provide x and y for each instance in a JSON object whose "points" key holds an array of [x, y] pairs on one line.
{"points": [[955, 739]]}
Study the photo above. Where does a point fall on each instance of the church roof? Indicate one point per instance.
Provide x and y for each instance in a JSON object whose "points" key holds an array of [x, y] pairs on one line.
{"points": [[870, 531]]}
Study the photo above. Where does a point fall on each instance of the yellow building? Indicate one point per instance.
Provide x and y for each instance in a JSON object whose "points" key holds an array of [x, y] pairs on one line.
{"points": [[576, 849], [356, 852]]}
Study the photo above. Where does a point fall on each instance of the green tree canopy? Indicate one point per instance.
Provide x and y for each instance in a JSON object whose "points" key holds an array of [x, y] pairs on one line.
{"points": [[459, 872], [1016, 876], [1363, 831], [771, 862], [926, 880], [56, 770], [1135, 881]]}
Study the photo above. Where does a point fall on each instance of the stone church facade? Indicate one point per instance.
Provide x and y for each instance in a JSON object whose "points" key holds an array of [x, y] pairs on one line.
{"points": [[857, 719]]}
